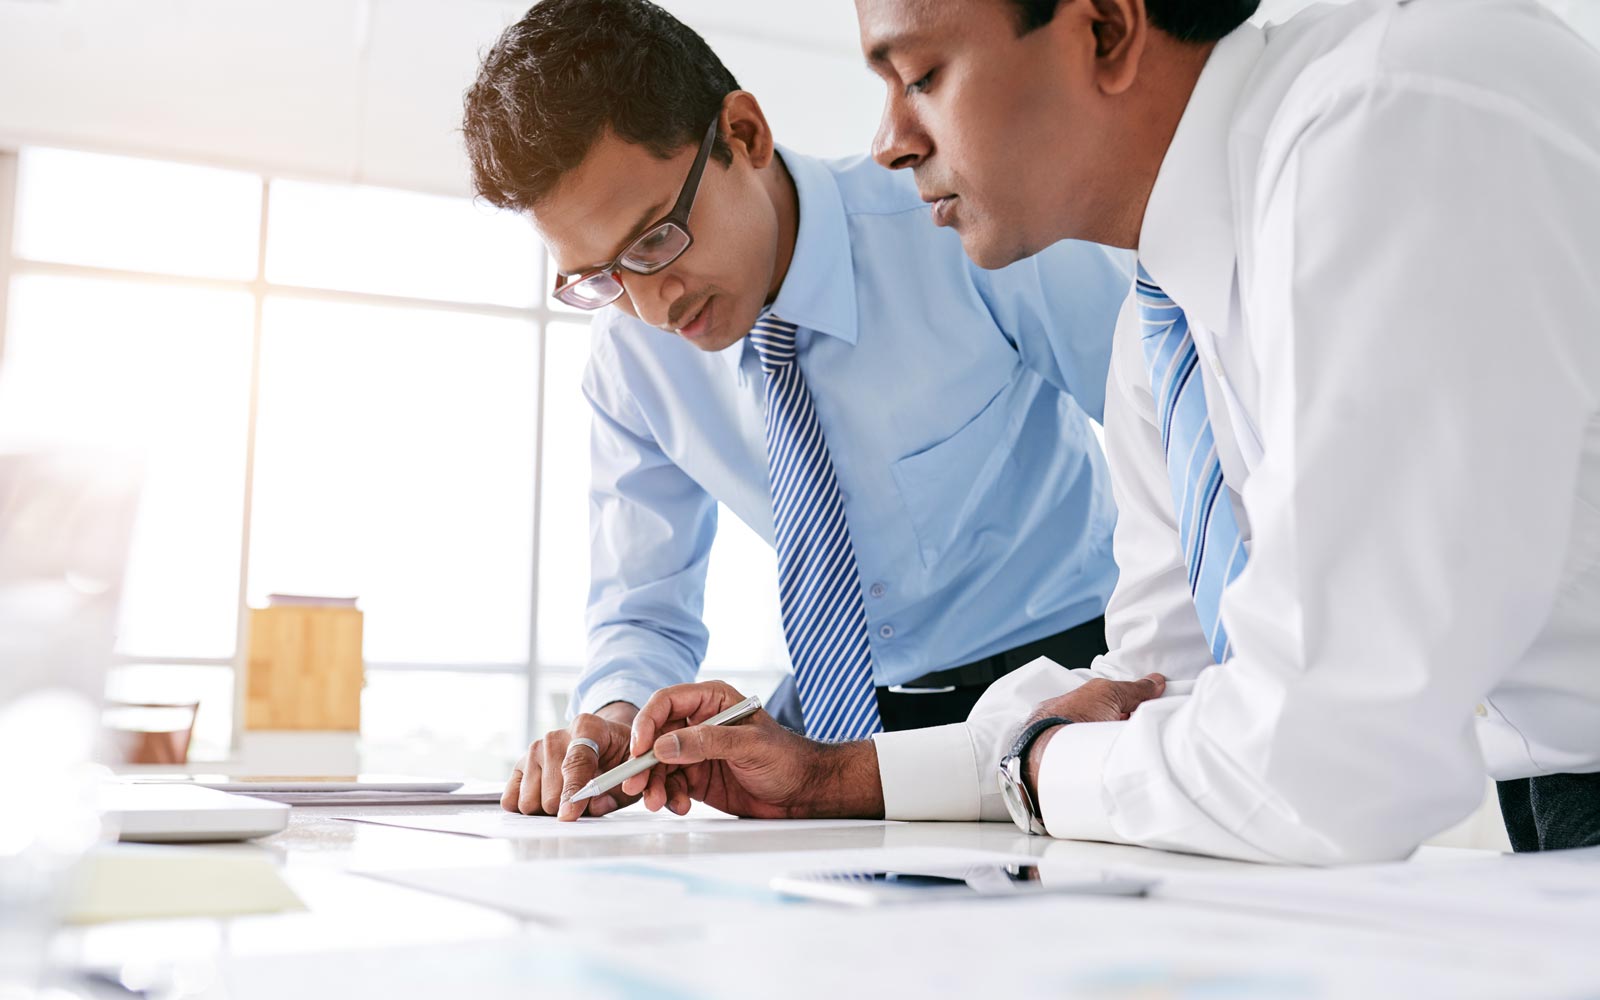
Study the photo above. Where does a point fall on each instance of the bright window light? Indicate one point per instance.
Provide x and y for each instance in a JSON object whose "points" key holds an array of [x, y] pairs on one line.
{"points": [[741, 608], [467, 726], [162, 372], [139, 215], [368, 239], [564, 500], [394, 464]]}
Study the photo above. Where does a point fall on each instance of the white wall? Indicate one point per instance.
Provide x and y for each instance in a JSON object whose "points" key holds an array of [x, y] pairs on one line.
{"points": [[363, 90], [370, 90]]}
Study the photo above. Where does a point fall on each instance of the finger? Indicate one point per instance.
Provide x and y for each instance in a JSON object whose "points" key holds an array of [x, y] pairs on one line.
{"points": [[694, 702], [655, 793], [602, 804], [508, 798], [636, 784], [677, 792], [697, 743], [555, 751], [513, 792], [528, 797], [1131, 694], [580, 765]]}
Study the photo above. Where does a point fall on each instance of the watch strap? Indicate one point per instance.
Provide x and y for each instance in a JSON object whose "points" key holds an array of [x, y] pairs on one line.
{"points": [[1031, 732]]}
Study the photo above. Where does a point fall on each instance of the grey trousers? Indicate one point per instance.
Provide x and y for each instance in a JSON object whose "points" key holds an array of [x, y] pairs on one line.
{"points": [[1551, 812]]}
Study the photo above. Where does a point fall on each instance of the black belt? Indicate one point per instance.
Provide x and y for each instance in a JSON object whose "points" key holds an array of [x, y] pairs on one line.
{"points": [[982, 673]]}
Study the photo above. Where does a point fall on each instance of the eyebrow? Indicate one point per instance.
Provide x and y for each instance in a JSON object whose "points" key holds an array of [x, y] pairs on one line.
{"points": [[649, 215], [881, 51]]}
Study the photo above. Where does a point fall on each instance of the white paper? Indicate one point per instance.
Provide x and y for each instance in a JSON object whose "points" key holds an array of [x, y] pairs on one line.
{"points": [[512, 968], [708, 926], [376, 798], [624, 895], [498, 824], [1547, 897]]}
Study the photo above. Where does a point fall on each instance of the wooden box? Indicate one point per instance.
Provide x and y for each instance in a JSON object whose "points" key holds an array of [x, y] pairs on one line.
{"points": [[304, 669]]}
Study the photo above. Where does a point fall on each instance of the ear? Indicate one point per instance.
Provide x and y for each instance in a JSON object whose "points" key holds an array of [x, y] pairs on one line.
{"points": [[1121, 31], [745, 129]]}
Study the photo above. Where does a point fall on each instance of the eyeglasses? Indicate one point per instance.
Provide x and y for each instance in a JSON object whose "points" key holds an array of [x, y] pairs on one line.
{"points": [[661, 243]]}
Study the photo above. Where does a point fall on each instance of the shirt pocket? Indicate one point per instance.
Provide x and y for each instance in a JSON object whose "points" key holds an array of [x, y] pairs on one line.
{"points": [[943, 484]]}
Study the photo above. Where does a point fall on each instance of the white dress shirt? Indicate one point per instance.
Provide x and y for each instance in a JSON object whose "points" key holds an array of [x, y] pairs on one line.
{"points": [[1383, 223]]}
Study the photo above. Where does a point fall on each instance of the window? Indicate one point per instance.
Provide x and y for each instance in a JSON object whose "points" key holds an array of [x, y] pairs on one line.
{"points": [[339, 390]]}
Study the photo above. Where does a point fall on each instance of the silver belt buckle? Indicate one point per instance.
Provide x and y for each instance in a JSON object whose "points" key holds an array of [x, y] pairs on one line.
{"points": [[907, 689]]}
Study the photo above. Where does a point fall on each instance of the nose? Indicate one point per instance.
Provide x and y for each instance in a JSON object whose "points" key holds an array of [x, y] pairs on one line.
{"points": [[901, 142], [652, 295]]}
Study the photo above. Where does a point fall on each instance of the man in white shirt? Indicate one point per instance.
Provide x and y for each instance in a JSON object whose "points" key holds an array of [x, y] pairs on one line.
{"points": [[1373, 232]]}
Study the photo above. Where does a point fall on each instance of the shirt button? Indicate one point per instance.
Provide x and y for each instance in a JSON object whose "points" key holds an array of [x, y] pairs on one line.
{"points": [[1481, 712], [878, 590], [886, 631]]}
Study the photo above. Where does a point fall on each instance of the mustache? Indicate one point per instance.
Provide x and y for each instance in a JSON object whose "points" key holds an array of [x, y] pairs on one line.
{"points": [[680, 312]]}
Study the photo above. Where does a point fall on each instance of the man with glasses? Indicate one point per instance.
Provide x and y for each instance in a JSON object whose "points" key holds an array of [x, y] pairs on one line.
{"points": [[795, 339]]}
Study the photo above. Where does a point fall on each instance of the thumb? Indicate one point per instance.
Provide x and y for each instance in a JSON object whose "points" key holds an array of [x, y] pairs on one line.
{"points": [[698, 743], [1132, 694]]}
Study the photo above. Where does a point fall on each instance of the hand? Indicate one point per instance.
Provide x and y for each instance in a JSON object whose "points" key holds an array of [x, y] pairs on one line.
{"points": [[754, 767], [555, 767], [1099, 700]]}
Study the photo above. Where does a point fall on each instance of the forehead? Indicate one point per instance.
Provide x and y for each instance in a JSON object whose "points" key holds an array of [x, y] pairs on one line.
{"points": [[891, 25], [619, 187]]}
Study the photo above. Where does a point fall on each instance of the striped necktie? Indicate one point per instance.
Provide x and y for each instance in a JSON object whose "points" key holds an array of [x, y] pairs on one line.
{"points": [[1213, 547], [819, 589]]}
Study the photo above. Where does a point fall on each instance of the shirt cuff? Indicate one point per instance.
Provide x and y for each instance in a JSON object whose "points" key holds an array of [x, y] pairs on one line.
{"points": [[609, 689], [929, 773], [1072, 798]]}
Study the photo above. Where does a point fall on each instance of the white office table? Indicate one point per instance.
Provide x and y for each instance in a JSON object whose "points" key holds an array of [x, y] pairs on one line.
{"points": [[363, 936]]}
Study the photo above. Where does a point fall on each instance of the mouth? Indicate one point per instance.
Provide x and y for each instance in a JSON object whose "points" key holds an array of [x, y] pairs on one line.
{"points": [[944, 207], [698, 323]]}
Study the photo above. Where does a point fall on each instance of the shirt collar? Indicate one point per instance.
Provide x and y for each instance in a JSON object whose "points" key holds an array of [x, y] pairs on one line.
{"points": [[819, 291], [1187, 241]]}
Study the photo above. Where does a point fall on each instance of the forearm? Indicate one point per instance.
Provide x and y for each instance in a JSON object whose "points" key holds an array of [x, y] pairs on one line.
{"points": [[847, 781]]}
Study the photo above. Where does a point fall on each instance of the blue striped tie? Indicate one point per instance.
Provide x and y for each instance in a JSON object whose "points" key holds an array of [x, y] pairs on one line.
{"points": [[1209, 533], [819, 589]]}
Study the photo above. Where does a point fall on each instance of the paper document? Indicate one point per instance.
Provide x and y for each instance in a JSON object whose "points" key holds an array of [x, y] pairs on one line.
{"points": [[635, 821], [146, 883], [1546, 897], [669, 919], [662, 892], [348, 799], [511, 968]]}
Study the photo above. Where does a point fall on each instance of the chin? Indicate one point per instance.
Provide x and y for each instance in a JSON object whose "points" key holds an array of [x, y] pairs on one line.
{"points": [[988, 249]]}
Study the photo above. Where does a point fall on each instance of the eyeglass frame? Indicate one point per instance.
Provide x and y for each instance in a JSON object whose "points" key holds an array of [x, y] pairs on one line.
{"points": [[678, 216]]}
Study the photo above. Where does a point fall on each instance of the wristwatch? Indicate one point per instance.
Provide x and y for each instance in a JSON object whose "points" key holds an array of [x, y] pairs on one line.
{"points": [[1012, 786]]}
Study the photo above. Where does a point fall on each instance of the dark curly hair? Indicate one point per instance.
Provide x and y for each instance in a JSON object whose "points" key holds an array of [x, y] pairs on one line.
{"points": [[556, 80], [1185, 20]]}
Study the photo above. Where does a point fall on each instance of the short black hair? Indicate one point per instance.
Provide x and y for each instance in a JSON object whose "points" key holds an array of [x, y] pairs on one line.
{"points": [[1185, 20], [556, 80]]}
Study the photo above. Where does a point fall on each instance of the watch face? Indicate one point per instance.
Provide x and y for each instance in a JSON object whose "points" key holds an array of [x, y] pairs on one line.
{"points": [[1015, 798]]}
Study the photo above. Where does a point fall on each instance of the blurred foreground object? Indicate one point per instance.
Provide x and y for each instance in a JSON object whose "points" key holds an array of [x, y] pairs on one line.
{"points": [[66, 517]]}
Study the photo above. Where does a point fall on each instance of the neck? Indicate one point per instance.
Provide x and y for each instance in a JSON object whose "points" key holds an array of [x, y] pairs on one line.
{"points": [[786, 204], [1171, 81]]}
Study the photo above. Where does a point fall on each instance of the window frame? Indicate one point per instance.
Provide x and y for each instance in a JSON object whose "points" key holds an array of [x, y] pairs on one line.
{"points": [[538, 316]]}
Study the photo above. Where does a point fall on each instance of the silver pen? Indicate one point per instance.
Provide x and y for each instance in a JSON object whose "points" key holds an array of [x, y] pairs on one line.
{"points": [[622, 772]]}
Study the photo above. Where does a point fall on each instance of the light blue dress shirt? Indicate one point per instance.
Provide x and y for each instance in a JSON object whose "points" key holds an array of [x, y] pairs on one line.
{"points": [[954, 404]]}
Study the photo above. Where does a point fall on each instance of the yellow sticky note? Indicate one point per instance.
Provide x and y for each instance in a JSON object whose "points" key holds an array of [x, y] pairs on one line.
{"points": [[145, 883]]}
